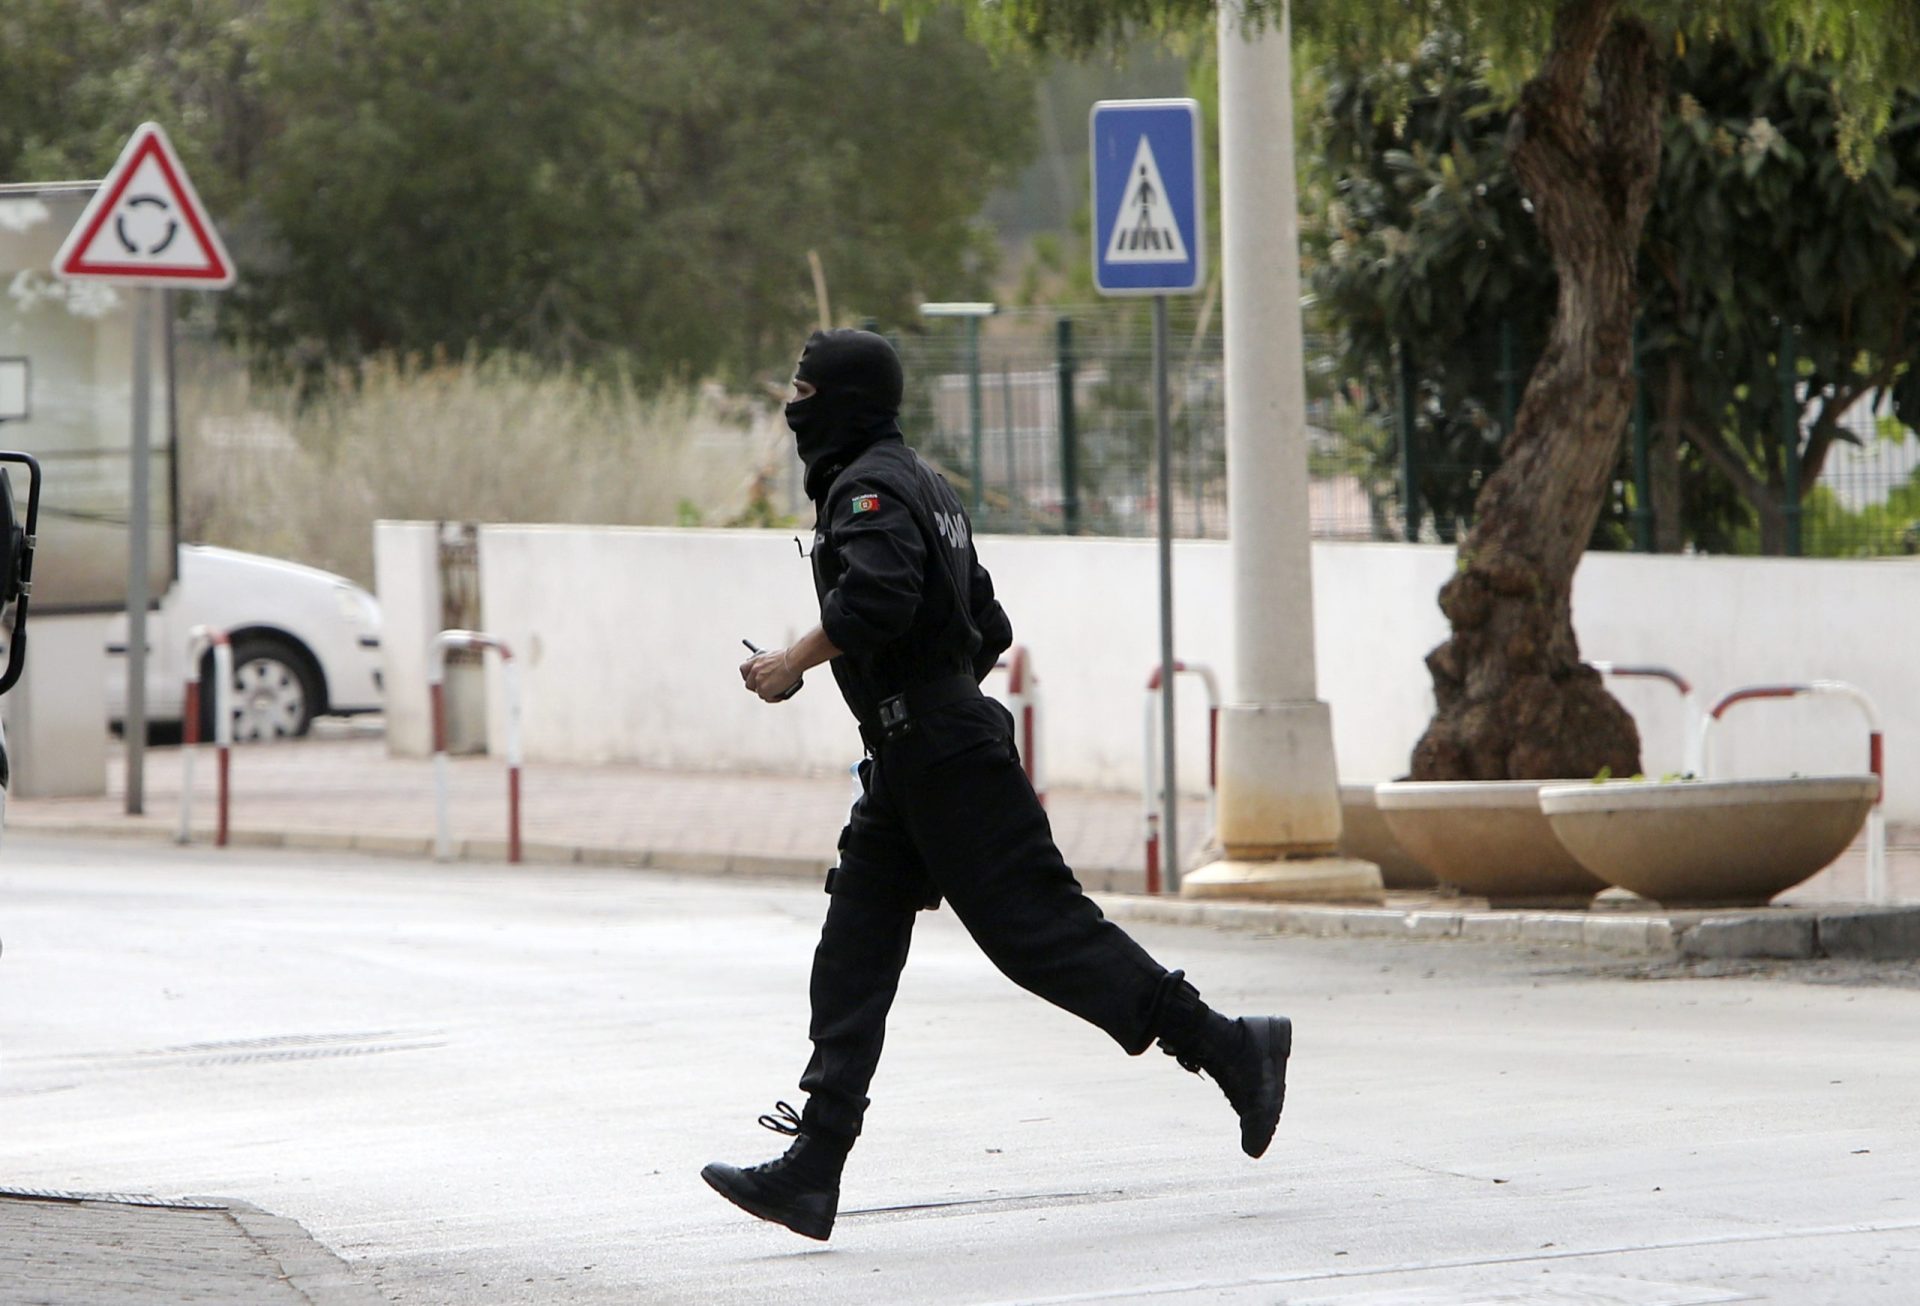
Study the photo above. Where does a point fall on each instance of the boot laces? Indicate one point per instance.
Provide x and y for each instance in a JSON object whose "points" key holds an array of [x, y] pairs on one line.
{"points": [[787, 1122]]}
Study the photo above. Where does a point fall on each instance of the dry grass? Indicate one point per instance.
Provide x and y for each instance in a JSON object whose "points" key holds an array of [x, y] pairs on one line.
{"points": [[487, 441]]}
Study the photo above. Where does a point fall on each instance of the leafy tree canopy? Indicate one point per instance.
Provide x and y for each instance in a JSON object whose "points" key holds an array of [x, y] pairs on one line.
{"points": [[1868, 42], [577, 179]]}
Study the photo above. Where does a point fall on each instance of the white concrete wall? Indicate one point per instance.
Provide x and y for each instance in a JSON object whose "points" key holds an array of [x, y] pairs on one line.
{"points": [[631, 637]]}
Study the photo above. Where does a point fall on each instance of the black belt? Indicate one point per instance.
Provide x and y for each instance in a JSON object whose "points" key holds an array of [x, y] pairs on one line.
{"points": [[897, 713]]}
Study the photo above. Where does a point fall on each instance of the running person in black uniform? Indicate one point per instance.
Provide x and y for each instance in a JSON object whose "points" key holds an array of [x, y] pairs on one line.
{"points": [[910, 626]]}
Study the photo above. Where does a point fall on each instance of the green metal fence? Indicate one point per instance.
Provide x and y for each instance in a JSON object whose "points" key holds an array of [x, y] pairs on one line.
{"points": [[1044, 424]]}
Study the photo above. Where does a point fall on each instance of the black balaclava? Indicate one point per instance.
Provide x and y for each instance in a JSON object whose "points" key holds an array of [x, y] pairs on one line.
{"points": [[857, 384]]}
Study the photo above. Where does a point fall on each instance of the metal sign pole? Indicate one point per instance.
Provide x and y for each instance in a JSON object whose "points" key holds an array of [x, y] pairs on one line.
{"points": [[135, 717], [973, 413], [1149, 238], [1170, 792], [144, 226]]}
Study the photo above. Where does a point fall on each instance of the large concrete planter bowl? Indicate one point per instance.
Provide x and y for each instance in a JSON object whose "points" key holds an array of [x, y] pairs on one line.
{"points": [[1486, 837], [1718, 843], [1364, 835]]}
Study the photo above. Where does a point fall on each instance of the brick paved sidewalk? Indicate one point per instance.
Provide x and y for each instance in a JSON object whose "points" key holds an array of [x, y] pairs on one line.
{"points": [[107, 1249], [350, 793], [347, 793]]}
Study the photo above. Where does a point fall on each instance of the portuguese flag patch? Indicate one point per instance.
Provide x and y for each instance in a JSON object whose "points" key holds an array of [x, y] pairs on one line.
{"points": [[866, 503]]}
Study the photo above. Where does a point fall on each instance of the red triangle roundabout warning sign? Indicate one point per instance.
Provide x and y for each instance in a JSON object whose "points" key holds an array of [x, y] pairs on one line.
{"points": [[146, 224]]}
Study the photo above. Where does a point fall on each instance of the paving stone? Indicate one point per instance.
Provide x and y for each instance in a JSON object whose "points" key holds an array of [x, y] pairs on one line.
{"points": [[1232, 916], [108, 1249], [789, 867], [320, 840], [1750, 935], [1315, 922], [1489, 927], [1616, 933], [1885, 935], [1553, 927], [256, 838], [611, 856], [1433, 924], [393, 845], [691, 863], [1374, 923]]}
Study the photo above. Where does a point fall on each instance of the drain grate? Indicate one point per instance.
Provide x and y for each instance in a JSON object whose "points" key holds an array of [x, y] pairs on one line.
{"points": [[118, 1199]]}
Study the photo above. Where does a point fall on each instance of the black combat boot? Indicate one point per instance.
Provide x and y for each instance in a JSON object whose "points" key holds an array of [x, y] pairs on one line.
{"points": [[800, 1189], [1246, 1057]]}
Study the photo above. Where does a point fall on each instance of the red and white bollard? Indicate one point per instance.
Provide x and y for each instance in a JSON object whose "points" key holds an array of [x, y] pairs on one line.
{"points": [[1150, 771], [1023, 700], [198, 640], [1876, 761], [1689, 703], [437, 696]]}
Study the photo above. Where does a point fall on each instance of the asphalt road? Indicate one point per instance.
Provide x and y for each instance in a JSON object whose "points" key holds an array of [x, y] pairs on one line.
{"points": [[490, 1085]]}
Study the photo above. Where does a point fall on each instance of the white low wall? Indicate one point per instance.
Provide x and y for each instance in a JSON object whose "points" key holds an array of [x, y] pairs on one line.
{"points": [[631, 640]]}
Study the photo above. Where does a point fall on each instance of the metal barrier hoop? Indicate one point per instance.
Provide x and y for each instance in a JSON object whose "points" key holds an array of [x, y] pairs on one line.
{"points": [[199, 639], [1689, 703], [1876, 760], [436, 694], [1024, 702]]}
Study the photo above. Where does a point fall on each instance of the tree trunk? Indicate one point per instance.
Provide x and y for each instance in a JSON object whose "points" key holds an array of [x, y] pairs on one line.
{"points": [[1514, 700]]}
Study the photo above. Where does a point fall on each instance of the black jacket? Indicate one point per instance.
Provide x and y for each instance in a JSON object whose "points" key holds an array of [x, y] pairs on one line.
{"points": [[902, 594]]}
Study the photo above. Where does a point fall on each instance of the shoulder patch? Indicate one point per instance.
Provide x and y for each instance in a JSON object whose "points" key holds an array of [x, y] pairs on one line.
{"points": [[866, 503]]}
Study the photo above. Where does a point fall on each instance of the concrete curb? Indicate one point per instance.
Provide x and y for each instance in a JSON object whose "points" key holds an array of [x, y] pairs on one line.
{"points": [[678, 861], [311, 1267], [1858, 933], [1791, 933]]}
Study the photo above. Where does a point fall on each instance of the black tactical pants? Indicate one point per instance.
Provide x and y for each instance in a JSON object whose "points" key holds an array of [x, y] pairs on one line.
{"points": [[948, 812]]}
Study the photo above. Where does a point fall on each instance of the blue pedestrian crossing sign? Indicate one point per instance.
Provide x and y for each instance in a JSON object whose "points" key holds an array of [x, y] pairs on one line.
{"points": [[1149, 218]]}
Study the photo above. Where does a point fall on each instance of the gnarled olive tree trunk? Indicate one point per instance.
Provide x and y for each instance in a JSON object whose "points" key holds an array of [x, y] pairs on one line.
{"points": [[1514, 699]]}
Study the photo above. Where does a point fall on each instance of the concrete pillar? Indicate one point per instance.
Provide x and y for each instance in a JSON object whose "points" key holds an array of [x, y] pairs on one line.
{"points": [[406, 578], [1279, 807]]}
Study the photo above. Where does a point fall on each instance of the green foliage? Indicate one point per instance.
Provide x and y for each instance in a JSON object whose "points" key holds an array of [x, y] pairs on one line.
{"points": [[1426, 246], [82, 74], [1428, 243], [1756, 224], [1833, 531], [1869, 43], [576, 180]]}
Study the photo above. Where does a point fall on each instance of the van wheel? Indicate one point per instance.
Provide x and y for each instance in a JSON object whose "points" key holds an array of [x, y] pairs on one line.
{"points": [[275, 692]]}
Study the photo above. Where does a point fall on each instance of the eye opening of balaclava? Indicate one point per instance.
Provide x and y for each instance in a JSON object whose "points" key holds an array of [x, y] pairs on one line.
{"points": [[858, 384]]}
